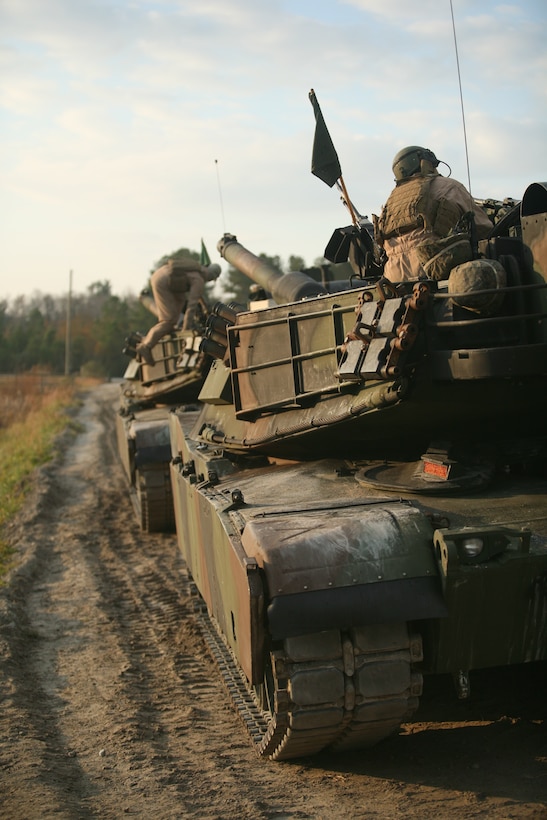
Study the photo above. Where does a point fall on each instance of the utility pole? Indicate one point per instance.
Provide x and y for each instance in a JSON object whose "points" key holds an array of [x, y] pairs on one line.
{"points": [[67, 334]]}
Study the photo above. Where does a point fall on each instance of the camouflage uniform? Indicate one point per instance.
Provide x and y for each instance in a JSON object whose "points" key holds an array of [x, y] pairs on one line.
{"points": [[177, 285], [422, 208]]}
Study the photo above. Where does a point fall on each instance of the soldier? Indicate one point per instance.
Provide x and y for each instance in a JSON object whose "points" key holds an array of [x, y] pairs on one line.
{"points": [[177, 285], [422, 209]]}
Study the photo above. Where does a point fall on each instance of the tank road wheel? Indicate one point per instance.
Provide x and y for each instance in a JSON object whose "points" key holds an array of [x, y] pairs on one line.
{"points": [[329, 690], [154, 499]]}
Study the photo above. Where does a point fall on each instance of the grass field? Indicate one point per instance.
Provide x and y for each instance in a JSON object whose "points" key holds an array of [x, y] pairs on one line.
{"points": [[34, 410]]}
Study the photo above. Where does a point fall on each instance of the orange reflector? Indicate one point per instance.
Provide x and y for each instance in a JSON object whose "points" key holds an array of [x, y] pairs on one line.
{"points": [[436, 469]]}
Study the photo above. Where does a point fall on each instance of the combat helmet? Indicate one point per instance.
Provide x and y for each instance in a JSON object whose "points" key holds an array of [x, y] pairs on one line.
{"points": [[407, 161]]}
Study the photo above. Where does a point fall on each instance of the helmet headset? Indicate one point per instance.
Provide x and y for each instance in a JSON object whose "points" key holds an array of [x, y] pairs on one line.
{"points": [[408, 161]]}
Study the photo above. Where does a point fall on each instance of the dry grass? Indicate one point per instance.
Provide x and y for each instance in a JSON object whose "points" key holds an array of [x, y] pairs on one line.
{"points": [[33, 412], [26, 393]]}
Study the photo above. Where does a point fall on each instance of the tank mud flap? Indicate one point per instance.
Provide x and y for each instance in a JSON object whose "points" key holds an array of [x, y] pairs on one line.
{"points": [[408, 599]]}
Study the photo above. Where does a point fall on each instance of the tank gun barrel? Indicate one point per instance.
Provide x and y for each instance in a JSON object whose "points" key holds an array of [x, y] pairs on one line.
{"points": [[284, 287]]}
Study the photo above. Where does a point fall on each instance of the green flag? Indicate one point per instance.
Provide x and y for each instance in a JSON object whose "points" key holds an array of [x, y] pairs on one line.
{"points": [[204, 258], [324, 162]]}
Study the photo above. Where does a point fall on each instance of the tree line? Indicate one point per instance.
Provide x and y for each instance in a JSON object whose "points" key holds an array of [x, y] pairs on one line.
{"points": [[33, 330]]}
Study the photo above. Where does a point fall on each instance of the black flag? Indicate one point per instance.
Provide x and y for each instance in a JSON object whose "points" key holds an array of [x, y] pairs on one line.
{"points": [[324, 162]]}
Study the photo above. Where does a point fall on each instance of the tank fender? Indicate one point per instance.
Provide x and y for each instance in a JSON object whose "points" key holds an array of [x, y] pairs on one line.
{"points": [[345, 567], [151, 440]]}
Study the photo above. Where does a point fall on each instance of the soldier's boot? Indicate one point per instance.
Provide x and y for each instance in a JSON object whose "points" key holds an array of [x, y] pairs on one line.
{"points": [[144, 354]]}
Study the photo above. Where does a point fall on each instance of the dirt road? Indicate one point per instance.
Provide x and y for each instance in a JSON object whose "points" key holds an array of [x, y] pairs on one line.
{"points": [[111, 707]]}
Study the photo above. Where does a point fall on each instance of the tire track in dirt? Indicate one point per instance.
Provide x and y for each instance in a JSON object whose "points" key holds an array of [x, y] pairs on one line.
{"points": [[121, 707], [99, 693]]}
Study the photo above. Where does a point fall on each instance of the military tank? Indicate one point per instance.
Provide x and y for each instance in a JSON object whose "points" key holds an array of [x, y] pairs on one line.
{"points": [[361, 499], [142, 422]]}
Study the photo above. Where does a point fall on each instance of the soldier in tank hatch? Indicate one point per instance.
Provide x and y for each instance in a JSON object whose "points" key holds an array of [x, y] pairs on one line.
{"points": [[418, 220]]}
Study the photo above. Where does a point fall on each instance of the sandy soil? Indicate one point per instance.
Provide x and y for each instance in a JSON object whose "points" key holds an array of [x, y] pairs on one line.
{"points": [[111, 706]]}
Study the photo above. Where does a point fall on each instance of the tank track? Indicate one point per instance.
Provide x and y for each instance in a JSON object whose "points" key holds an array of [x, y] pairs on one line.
{"points": [[154, 499], [327, 690]]}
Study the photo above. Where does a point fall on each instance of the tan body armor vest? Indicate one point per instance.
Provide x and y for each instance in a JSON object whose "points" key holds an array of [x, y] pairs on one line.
{"points": [[181, 272], [411, 205]]}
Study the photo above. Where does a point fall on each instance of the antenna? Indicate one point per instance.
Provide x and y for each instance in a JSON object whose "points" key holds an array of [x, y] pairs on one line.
{"points": [[220, 197], [461, 97]]}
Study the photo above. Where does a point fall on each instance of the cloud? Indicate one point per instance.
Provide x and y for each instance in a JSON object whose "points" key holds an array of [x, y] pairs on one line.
{"points": [[113, 113]]}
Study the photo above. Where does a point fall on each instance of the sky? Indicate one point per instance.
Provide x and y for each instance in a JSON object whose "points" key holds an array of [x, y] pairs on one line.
{"points": [[131, 128]]}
